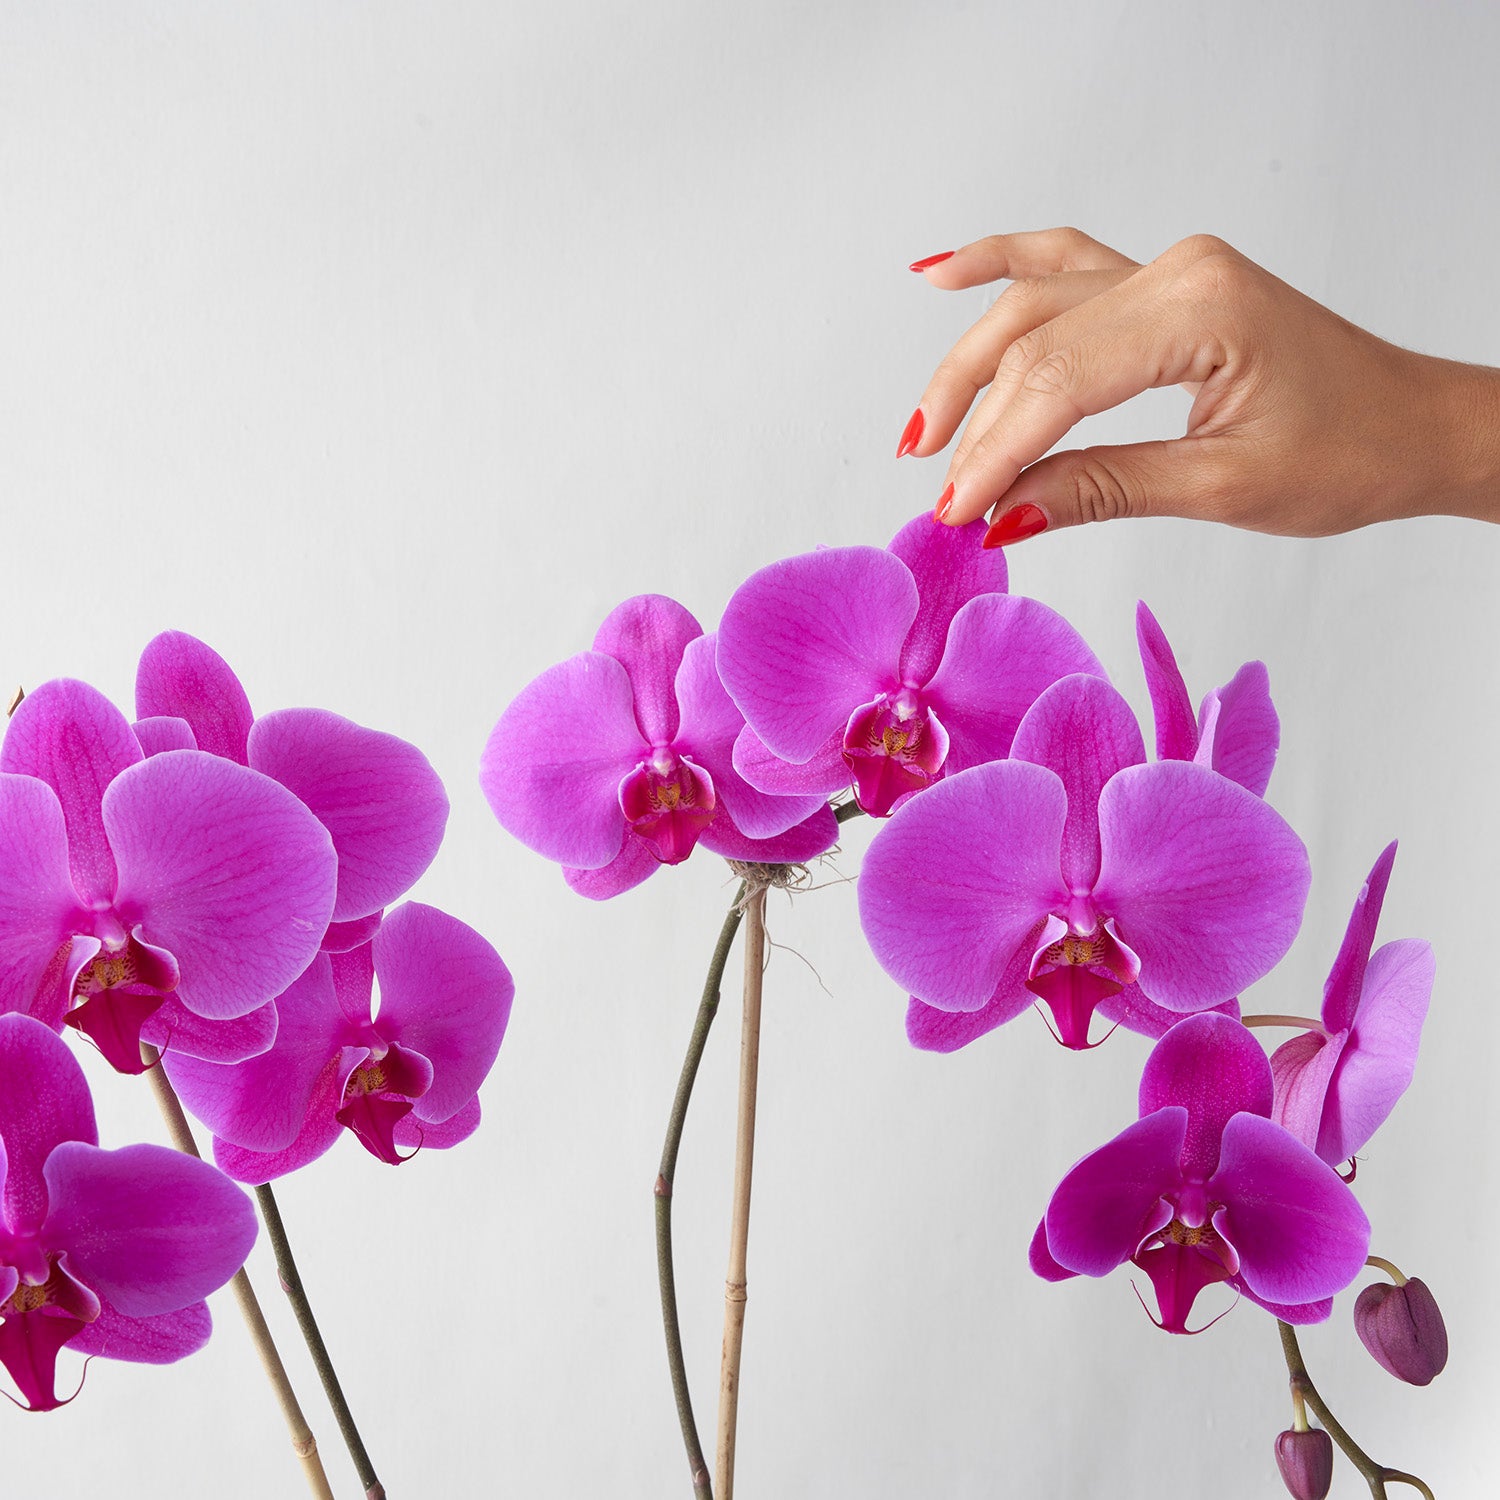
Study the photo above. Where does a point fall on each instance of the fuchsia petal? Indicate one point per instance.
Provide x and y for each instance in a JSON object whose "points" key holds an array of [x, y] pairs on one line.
{"points": [[1176, 729], [1112, 1199], [1302, 1069], [647, 635], [1247, 730], [807, 840], [161, 732], [1041, 1258], [159, 1340], [1082, 729], [341, 937], [821, 776], [38, 905], [148, 1228], [319, 1131], [935, 1030], [1213, 1068], [376, 795], [260, 1103], [445, 993], [632, 865], [551, 770], [1299, 1313], [1132, 1010], [1299, 1232], [707, 734], [354, 983], [71, 736], [180, 677], [805, 641], [1004, 651], [415, 1133], [227, 870], [1341, 992], [950, 567], [29, 1346], [44, 1100], [960, 877], [1381, 1056], [172, 1027], [1206, 881]]}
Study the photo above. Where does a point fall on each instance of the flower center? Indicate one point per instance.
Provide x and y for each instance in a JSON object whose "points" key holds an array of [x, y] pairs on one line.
{"points": [[1183, 1258], [45, 1311], [1074, 973], [117, 991], [668, 801], [378, 1097], [893, 746]]}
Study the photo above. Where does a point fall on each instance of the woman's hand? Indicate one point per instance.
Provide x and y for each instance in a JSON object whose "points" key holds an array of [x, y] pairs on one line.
{"points": [[1302, 424]]}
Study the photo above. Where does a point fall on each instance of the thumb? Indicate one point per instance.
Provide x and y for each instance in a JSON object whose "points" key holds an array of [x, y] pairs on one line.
{"points": [[1103, 484]]}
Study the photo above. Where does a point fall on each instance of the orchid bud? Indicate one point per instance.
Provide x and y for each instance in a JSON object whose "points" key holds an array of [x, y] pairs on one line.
{"points": [[1305, 1459], [1402, 1327]]}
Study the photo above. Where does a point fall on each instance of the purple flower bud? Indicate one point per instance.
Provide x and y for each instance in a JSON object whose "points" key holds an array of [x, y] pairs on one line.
{"points": [[1402, 1327], [1306, 1462]]}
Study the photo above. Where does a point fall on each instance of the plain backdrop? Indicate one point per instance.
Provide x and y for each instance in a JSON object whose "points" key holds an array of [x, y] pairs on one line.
{"points": [[388, 346]]}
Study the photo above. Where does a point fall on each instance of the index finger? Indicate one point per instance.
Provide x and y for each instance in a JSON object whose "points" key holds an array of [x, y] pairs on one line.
{"points": [[1033, 253]]}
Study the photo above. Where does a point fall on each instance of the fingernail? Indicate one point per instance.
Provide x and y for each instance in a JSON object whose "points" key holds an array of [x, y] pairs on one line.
{"points": [[911, 434], [932, 260], [944, 501], [1015, 526]]}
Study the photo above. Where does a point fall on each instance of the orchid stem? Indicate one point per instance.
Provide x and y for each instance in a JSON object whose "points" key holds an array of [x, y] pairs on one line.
{"points": [[735, 1284], [1305, 1023], [304, 1444], [291, 1284], [708, 1007], [1375, 1475]]}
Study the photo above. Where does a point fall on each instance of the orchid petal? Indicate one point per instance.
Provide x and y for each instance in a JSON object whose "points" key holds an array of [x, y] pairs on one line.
{"points": [[1299, 1232], [180, 677], [1302, 1069], [319, 1131], [632, 865], [1113, 1198], [341, 937], [961, 877], [1377, 1065], [1345, 979], [935, 1030], [647, 635], [162, 732], [1004, 651], [159, 1340], [44, 1101], [822, 776], [806, 840], [229, 872], [146, 1227], [1176, 731], [419, 1133], [354, 983], [1132, 1010], [172, 1027], [1300, 1313], [376, 795], [707, 734], [1213, 1068], [1206, 881], [552, 767], [29, 1346], [1041, 1259], [1082, 729], [1247, 730], [807, 640], [950, 567], [71, 736]]}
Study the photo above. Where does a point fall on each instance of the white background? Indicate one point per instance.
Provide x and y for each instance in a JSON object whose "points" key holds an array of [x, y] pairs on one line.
{"points": [[388, 346]]}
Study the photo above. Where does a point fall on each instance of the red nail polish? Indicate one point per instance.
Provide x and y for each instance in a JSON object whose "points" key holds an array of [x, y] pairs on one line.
{"points": [[944, 501], [911, 434], [932, 260], [1015, 526]]}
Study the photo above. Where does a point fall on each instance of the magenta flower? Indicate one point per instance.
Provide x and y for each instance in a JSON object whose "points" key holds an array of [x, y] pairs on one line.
{"points": [[619, 760], [1204, 1188], [1074, 874], [133, 887], [104, 1252], [406, 1077], [886, 668], [1236, 731], [380, 800], [1334, 1088]]}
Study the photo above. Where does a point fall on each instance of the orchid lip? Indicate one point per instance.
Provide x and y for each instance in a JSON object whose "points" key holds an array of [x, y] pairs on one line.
{"points": [[893, 745], [668, 801]]}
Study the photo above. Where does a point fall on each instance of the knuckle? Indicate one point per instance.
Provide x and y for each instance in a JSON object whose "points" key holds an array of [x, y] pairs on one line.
{"points": [[1022, 297], [1197, 247], [1055, 374], [1099, 492], [1221, 277], [1025, 353], [954, 376]]}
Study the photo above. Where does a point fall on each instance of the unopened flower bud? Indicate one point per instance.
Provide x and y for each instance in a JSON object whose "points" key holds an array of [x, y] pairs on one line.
{"points": [[1306, 1462], [1402, 1327]]}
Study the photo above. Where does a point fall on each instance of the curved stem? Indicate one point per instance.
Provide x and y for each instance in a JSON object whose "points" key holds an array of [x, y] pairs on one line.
{"points": [[291, 1284], [1377, 1476], [1382, 1264], [708, 1007], [1303, 1023], [304, 1444], [735, 1282], [846, 810]]}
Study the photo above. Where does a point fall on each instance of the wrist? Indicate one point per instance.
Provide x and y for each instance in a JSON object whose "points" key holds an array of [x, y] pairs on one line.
{"points": [[1462, 414]]}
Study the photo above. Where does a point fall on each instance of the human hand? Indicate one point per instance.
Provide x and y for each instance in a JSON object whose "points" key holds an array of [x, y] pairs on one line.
{"points": [[1302, 424]]}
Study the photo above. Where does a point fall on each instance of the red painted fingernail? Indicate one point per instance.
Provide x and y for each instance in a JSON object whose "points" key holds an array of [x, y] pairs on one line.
{"points": [[932, 260], [911, 434], [944, 501], [1015, 526]]}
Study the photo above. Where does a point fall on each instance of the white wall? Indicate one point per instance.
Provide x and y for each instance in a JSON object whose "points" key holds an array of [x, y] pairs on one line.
{"points": [[388, 346]]}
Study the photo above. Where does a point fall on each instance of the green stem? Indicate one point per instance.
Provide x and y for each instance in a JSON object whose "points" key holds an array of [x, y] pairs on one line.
{"points": [[708, 1007], [291, 1284], [1377, 1476]]}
